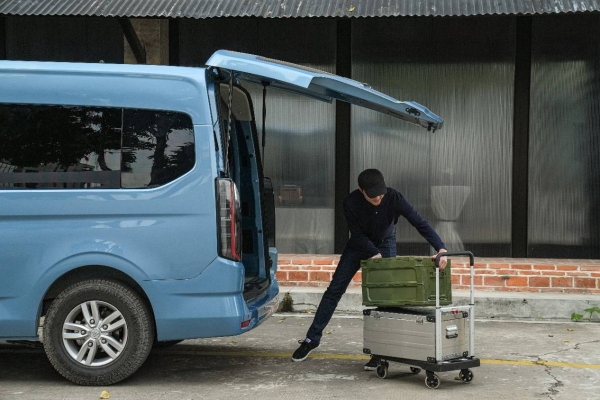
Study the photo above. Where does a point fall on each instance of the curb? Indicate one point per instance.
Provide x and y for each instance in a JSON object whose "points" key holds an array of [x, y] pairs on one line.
{"points": [[501, 305]]}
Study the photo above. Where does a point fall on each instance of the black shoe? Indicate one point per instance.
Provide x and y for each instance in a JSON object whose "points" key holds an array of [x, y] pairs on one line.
{"points": [[304, 350], [371, 365]]}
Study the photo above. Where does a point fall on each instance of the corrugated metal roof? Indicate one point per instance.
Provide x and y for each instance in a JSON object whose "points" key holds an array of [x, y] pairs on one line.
{"points": [[292, 8]]}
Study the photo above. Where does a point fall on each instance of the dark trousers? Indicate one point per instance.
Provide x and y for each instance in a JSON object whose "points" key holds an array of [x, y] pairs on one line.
{"points": [[347, 267]]}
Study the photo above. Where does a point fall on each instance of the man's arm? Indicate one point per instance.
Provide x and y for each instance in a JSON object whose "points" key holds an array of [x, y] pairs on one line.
{"points": [[407, 211]]}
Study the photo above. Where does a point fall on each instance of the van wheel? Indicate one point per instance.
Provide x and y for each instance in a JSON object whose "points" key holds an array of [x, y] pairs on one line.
{"points": [[98, 332]]}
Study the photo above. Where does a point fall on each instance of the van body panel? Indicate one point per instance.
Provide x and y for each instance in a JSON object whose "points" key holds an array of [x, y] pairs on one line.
{"points": [[320, 85], [208, 305]]}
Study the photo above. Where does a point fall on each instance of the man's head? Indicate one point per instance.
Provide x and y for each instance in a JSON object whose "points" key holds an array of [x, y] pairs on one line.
{"points": [[372, 184]]}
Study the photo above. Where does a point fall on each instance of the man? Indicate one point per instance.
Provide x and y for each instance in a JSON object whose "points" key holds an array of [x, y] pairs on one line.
{"points": [[372, 212]]}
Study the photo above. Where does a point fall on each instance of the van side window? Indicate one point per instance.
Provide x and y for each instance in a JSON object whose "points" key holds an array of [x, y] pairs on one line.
{"points": [[158, 147], [73, 147]]}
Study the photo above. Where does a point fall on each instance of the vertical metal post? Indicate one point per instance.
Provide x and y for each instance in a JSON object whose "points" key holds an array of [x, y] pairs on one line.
{"points": [[472, 313], [438, 318], [343, 67], [520, 165]]}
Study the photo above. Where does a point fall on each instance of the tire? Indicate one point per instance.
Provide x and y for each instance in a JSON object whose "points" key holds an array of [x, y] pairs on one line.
{"points": [[109, 352]]}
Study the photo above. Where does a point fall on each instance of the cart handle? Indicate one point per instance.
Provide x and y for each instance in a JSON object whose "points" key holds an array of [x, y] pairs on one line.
{"points": [[454, 253]]}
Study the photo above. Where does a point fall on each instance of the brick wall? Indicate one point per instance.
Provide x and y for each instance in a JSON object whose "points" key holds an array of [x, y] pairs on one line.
{"points": [[492, 274]]}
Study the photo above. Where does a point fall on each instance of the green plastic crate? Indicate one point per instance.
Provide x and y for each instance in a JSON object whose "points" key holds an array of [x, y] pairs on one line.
{"points": [[403, 281]]}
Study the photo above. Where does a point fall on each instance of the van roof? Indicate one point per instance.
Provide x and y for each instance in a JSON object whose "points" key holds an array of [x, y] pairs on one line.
{"points": [[111, 85]]}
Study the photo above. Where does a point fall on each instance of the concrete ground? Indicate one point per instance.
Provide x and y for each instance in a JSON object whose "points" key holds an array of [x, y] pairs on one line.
{"points": [[520, 360]]}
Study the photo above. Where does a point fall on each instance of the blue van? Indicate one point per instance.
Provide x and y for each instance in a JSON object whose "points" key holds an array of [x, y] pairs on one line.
{"points": [[134, 207]]}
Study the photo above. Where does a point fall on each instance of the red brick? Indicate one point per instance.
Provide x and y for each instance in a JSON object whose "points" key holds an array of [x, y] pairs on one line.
{"points": [[328, 268], [552, 290], [562, 282], [567, 267], [311, 268], [478, 266], [576, 273], [590, 268], [490, 280], [466, 280], [320, 276], [307, 284], [298, 276], [288, 268], [460, 271], [577, 290], [283, 261], [595, 274], [455, 279], [553, 273], [281, 276], [544, 267], [530, 273], [516, 281], [462, 287], [506, 272], [520, 266], [589, 283], [357, 277], [323, 262], [536, 281], [498, 266], [302, 261]]}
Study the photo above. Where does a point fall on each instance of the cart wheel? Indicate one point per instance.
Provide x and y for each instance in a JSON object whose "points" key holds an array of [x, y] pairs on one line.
{"points": [[382, 370], [415, 370], [465, 375], [432, 381]]}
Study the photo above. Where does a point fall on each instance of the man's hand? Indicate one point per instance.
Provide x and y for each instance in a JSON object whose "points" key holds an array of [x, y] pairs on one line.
{"points": [[443, 260], [378, 255]]}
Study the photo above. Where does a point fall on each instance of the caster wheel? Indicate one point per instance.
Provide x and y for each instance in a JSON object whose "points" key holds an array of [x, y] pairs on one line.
{"points": [[415, 370], [465, 375], [432, 381], [382, 371]]}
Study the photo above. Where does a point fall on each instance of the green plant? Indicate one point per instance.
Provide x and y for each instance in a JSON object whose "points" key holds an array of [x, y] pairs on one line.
{"points": [[578, 317]]}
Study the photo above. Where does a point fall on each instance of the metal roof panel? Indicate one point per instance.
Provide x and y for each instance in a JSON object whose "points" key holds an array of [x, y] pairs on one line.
{"points": [[292, 8]]}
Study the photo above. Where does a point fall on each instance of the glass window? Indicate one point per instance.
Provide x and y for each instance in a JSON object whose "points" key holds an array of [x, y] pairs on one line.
{"points": [[68, 147], [158, 147], [45, 147], [564, 150], [458, 178]]}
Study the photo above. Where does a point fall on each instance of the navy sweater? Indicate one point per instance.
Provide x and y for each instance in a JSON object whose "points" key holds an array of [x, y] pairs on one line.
{"points": [[370, 224]]}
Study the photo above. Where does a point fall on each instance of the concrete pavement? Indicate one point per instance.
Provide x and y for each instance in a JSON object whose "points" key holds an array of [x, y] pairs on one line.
{"points": [[520, 360]]}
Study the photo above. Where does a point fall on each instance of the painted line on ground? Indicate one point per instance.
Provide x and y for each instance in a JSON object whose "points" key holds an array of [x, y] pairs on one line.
{"points": [[527, 363]]}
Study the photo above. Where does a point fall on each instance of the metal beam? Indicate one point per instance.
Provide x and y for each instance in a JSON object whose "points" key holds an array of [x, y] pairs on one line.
{"points": [[343, 126], [520, 165], [2, 38]]}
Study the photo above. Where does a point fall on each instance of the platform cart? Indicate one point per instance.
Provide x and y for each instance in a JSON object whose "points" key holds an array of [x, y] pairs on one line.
{"points": [[438, 341]]}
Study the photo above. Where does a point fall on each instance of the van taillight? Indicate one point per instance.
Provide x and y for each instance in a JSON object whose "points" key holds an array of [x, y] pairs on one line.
{"points": [[229, 223]]}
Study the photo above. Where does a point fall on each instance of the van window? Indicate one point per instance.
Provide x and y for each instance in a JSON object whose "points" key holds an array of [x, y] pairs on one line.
{"points": [[73, 147]]}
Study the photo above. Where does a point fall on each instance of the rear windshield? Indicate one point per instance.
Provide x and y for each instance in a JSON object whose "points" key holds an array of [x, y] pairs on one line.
{"points": [[71, 147]]}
